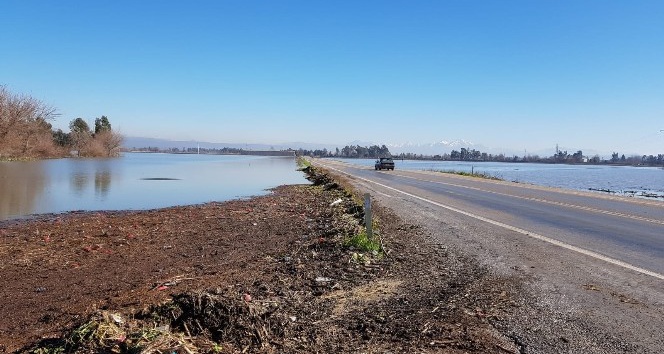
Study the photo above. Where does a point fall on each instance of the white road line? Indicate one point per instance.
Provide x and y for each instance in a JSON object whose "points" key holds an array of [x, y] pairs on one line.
{"points": [[524, 186], [568, 205], [519, 230]]}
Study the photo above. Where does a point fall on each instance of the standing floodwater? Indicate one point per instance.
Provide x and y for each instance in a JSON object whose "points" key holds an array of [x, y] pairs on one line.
{"points": [[137, 181]]}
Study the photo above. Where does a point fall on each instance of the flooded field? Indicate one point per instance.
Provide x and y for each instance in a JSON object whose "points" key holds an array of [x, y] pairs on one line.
{"points": [[137, 181]]}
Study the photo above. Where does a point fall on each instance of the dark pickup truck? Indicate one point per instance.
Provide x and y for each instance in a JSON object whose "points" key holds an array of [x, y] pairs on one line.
{"points": [[384, 163]]}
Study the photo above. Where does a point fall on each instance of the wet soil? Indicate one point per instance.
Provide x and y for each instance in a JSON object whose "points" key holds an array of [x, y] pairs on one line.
{"points": [[271, 274]]}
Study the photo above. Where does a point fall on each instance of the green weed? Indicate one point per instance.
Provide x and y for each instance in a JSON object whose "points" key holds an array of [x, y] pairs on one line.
{"points": [[470, 174], [362, 242], [303, 163]]}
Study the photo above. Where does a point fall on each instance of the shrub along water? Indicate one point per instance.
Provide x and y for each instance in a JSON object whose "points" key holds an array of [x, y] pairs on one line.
{"points": [[26, 132]]}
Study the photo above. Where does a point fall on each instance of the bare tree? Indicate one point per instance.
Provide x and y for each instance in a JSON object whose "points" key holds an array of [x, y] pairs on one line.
{"points": [[25, 131], [24, 127], [110, 142]]}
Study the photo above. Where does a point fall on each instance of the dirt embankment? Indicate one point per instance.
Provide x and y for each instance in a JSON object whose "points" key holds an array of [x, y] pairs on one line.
{"points": [[272, 274]]}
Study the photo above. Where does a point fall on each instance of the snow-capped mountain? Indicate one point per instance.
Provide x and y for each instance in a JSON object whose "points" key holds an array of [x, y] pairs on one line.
{"points": [[427, 149], [436, 148], [142, 142]]}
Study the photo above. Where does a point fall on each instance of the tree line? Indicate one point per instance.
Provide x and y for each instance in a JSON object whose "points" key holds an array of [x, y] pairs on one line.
{"points": [[26, 131], [559, 157], [350, 151], [192, 150], [465, 154]]}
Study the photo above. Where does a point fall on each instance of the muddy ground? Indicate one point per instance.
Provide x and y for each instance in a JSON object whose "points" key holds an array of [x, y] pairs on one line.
{"points": [[271, 274]]}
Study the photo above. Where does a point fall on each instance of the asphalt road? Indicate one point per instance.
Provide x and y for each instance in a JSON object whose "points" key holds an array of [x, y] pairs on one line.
{"points": [[593, 264], [627, 232]]}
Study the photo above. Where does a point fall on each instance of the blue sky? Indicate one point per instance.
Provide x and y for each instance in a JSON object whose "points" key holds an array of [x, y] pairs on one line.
{"points": [[504, 74]]}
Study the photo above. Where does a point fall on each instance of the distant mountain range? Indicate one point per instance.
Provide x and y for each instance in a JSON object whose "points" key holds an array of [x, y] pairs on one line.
{"points": [[437, 148], [424, 149], [140, 142], [430, 149]]}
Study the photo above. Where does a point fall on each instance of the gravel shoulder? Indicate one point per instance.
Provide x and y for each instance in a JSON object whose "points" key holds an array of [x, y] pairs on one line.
{"points": [[566, 302]]}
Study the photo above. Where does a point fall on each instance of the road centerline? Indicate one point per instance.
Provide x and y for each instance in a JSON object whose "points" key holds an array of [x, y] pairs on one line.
{"points": [[568, 205], [515, 229]]}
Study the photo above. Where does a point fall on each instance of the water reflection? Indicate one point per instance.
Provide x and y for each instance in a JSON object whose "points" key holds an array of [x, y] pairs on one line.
{"points": [[102, 183], [86, 172], [22, 185], [78, 183], [136, 181]]}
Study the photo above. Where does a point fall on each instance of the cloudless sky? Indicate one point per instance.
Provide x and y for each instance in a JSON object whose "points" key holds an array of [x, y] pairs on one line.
{"points": [[504, 74]]}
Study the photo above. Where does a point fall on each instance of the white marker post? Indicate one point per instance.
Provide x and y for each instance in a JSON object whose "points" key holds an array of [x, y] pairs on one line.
{"points": [[367, 215]]}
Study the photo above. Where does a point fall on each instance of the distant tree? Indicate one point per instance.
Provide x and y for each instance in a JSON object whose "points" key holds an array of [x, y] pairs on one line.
{"points": [[384, 151], [80, 137], [102, 124], [109, 143], [61, 138], [79, 125], [615, 157], [103, 142], [561, 156], [464, 154], [358, 151], [634, 160], [455, 155]]}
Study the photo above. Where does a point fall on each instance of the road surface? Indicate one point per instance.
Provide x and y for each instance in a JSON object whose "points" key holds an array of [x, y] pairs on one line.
{"points": [[595, 258]]}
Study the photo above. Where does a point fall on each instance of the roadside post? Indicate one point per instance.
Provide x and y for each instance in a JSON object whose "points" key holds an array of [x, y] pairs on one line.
{"points": [[367, 215]]}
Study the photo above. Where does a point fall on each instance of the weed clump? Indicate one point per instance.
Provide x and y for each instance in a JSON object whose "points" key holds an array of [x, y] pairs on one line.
{"points": [[303, 163], [362, 242], [483, 175]]}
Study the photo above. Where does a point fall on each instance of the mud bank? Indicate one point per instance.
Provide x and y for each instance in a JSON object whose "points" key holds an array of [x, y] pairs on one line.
{"points": [[273, 274]]}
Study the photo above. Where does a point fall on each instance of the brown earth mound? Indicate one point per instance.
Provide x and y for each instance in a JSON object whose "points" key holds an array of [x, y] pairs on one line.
{"points": [[272, 274]]}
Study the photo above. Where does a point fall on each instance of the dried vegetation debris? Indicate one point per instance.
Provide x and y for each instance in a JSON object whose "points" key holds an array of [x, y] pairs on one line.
{"points": [[266, 275]]}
